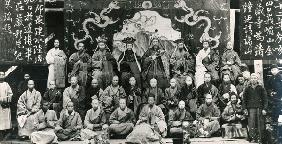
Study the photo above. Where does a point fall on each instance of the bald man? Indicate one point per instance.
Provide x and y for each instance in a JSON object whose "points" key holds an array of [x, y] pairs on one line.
{"points": [[28, 105], [179, 122], [76, 94], [171, 95], [157, 92], [54, 97], [111, 96]]}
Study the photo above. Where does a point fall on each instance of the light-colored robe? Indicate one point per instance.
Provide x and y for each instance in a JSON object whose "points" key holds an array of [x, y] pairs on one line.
{"points": [[200, 68], [28, 105], [94, 123], [5, 113], [155, 117], [44, 125], [126, 121], [68, 126], [56, 59]]}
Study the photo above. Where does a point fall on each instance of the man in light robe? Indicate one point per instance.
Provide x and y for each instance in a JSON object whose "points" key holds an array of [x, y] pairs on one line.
{"points": [[180, 122], [5, 100], [129, 63], [153, 115], [207, 60], [111, 96], [182, 62], [95, 124], [151, 126], [69, 124], [28, 105], [80, 63], [207, 118], [44, 122], [76, 94], [103, 64], [56, 59], [122, 120], [54, 97]]}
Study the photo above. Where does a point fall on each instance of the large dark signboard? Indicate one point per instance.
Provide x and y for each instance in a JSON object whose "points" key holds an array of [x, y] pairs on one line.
{"points": [[261, 29], [22, 31]]}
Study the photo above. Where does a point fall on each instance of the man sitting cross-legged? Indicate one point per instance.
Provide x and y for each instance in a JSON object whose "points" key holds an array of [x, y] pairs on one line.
{"points": [[122, 120], [69, 124], [180, 122], [44, 122], [207, 117], [95, 124]]}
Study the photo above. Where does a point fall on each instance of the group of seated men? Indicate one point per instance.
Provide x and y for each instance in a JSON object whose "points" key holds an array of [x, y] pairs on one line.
{"points": [[141, 115]]}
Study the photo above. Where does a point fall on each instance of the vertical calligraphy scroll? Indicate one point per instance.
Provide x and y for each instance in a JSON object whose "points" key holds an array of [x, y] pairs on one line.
{"points": [[261, 31], [23, 21]]}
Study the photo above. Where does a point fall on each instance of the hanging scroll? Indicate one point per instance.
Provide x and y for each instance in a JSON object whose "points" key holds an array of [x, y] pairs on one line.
{"points": [[261, 29], [22, 31]]}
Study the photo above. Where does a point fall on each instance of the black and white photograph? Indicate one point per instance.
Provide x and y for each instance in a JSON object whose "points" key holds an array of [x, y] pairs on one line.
{"points": [[140, 71]]}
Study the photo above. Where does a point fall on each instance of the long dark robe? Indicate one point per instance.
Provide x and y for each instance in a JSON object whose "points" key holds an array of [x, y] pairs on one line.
{"points": [[135, 98], [129, 62], [189, 96], [153, 69], [55, 98], [104, 67]]}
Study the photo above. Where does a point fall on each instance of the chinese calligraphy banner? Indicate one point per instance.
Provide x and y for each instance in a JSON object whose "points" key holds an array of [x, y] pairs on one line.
{"points": [[22, 31], [261, 29]]}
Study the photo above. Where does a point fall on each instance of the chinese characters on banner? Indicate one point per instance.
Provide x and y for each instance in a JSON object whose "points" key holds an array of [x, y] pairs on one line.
{"points": [[261, 29], [24, 20]]}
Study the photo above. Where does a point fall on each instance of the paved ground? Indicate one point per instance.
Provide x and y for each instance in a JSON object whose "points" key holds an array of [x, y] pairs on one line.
{"points": [[217, 140]]}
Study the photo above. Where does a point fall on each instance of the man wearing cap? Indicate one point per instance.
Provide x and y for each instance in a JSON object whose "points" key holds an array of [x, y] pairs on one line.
{"points": [[129, 63], [154, 64], [274, 90], [103, 64], [182, 61]]}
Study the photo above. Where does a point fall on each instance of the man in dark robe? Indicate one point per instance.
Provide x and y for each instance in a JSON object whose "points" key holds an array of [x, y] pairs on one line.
{"points": [[180, 123], [135, 97], [129, 63], [208, 115], [207, 87], [103, 64], [122, 120], [225, 88], [274, 90], [154, 65], [80, 63], [157, 93], [76, 94], [111, 96], [255, 104], [171, 94], [54, 97], [93, 92], [182, 62]]}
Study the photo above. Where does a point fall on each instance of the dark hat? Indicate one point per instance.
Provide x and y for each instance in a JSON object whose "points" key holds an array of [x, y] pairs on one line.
{"points": [[179, 41], [273, 66], [129, 40]]}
